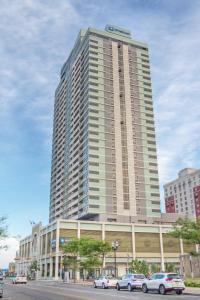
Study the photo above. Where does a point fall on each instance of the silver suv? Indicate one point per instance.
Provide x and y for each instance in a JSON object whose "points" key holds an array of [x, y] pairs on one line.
{"points": [[130, 282]]}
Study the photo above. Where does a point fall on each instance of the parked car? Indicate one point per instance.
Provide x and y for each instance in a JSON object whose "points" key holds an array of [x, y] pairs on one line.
{"points": [[1, 289], [130, 282], [19, 279], [105, 282], [164, 282]]}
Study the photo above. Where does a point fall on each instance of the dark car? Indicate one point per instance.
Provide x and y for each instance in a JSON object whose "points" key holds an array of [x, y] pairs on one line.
{"points": [[1, 288]]}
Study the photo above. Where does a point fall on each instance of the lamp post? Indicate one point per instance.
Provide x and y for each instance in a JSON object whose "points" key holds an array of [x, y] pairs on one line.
{"points": [[115, 245]]}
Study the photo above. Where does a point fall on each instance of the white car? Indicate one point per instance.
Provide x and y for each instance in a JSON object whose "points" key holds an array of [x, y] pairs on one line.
{"points": [[130, 282], [164, 282], [19, 279], [105, 282]]}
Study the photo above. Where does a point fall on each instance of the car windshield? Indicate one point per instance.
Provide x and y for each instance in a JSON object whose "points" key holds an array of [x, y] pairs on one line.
{"points": [[139, 276], [173, 276], [110, 277]]}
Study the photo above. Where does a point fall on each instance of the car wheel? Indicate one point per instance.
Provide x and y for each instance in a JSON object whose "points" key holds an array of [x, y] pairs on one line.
{"points": [[179, 292], [94, 285], [162, 290], [144, 288], [130, 287], [118, 287]]}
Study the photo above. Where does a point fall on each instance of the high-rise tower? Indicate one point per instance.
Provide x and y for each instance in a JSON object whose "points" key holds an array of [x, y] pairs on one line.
{"points": [[104, 161]]}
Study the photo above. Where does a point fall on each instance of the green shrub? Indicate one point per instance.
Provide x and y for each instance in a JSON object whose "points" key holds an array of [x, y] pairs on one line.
{"points": [[192, 282]]}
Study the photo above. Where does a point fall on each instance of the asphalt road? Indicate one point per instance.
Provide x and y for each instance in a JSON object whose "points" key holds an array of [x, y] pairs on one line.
{"points": [[60, 291]]}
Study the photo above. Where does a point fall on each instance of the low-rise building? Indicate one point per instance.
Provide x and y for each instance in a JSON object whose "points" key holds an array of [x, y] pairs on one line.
{"points": [[150, 242], [182, 195], [11, 268]]}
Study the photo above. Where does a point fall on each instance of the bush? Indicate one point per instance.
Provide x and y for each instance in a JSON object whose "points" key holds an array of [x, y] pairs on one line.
{"points": [[139, 266], [192, 282]]}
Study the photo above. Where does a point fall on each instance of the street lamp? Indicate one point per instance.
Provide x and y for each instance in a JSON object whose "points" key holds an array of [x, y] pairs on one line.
{"points": [[115, 245]]}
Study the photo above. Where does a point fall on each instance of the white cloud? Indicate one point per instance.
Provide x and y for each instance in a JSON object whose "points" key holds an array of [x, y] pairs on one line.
{"points": [[8, 255], [31, 55], [177, 103]]}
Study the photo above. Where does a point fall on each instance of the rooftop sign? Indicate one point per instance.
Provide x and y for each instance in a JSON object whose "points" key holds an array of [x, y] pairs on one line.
{"points": [[118, 30]]}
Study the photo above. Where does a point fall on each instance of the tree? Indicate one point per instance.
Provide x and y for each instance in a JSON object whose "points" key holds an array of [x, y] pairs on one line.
{"points": [[34, 267], [3, 231], [140, 266], [154, 267], [90, 263], [170, 267], [85, 252], [71, 263], [187, 229], [101, 248], [72, 249]]}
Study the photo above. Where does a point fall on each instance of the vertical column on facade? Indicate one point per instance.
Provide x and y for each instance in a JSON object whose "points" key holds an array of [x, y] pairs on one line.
{"points": [[133, 242], [25, 250], [57, 249], [51, 259], [40, 255], [161, 249], [182, 252], [45, 266], [78, 230], [78, 236], [103, 239], [117, 117], [181, 246], [129, 130]]}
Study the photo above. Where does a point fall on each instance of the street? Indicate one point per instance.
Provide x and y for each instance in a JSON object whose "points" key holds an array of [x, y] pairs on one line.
{"points": [[39, 290]]}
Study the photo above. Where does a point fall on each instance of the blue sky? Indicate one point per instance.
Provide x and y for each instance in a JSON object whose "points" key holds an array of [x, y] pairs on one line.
{"points": [[36, 38]]}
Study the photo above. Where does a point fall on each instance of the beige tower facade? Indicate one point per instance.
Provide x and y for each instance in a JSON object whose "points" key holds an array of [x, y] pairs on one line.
{"points": [[104, 161]]}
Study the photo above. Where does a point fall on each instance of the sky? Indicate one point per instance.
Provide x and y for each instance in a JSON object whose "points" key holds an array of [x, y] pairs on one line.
{"points": [[36, 38]]}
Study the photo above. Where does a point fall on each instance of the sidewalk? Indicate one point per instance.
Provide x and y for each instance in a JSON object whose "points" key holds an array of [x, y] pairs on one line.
{"points": [[60, 281], [192, 291], [81, 282]]}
